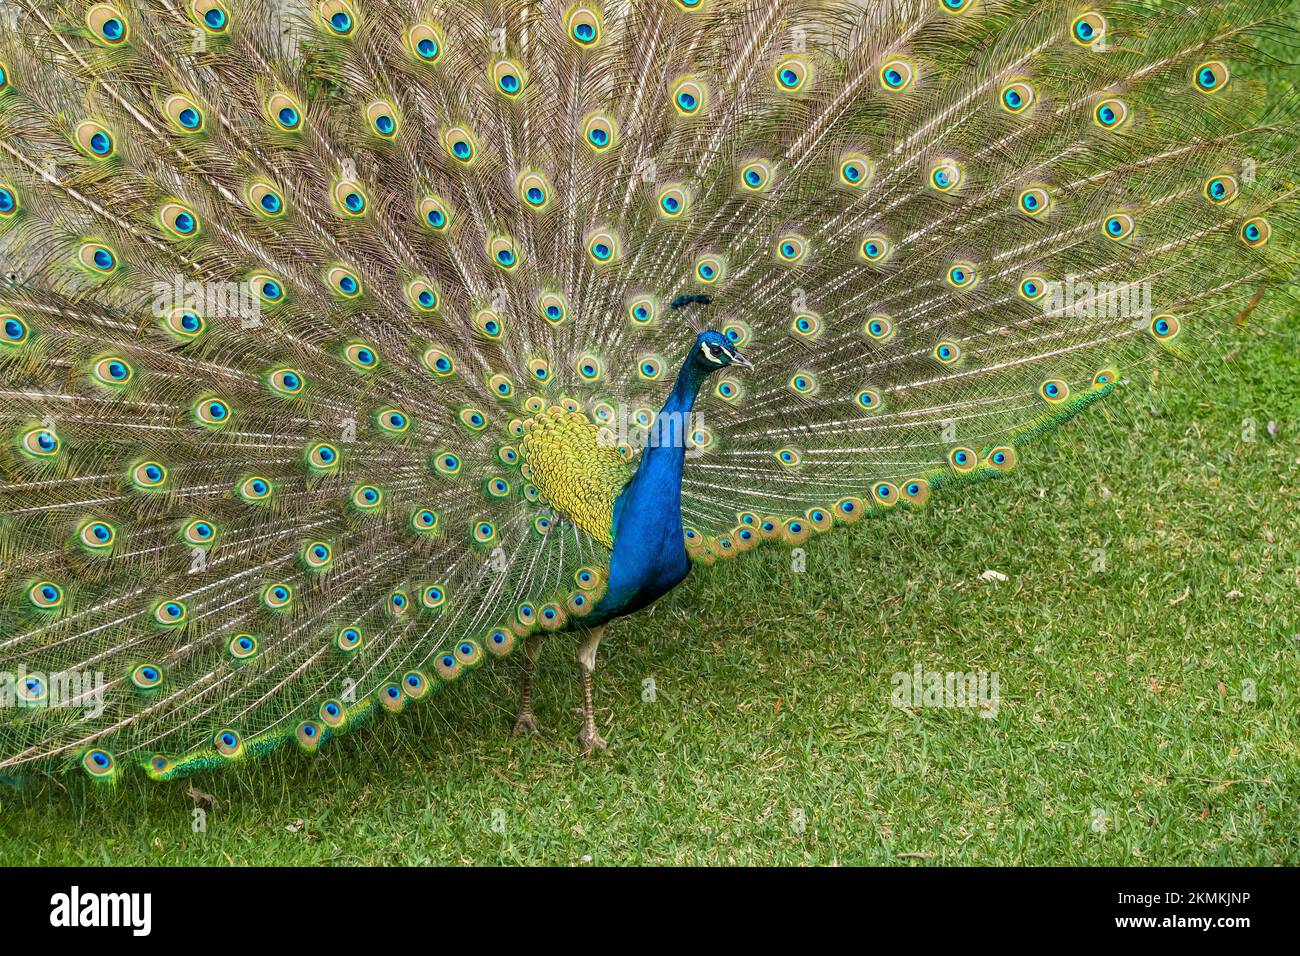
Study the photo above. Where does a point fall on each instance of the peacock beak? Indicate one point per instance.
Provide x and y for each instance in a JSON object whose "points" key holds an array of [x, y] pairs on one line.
{"points": [[738, 359]]}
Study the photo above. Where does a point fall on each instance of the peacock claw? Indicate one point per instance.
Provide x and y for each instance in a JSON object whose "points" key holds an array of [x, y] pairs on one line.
{"points": [[525, 723], [591, 741]]}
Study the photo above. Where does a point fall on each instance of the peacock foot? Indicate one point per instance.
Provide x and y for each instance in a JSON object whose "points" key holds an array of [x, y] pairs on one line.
{"points": [[525, 723], [591, 741]]}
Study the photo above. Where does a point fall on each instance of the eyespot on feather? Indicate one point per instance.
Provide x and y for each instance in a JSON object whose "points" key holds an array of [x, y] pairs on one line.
{"points": [[1111, 113], [284, 112], [584, 26], [962, 460], [599, 132], [792, 74], [1088, 29], [897, 74], [265, 200], [424, 42], [874, 248], [460, 144], [184, 113], [107, 25], [1255, 232], [179, 220], [915, 492], [382, 118], [1211, 77], [211, 15], [1017, 97], [689, 96], [338, 17], [508, 77]]}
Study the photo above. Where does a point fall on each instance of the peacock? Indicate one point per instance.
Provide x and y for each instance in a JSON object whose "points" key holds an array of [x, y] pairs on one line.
{"points": [[346, 346]]}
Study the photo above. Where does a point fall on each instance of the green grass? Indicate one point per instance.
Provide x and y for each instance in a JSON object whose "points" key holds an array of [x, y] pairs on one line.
{"points": [[1122, 692]]}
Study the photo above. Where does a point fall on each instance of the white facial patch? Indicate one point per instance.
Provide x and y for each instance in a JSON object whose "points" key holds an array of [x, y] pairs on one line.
{"points": [[707, 351]]}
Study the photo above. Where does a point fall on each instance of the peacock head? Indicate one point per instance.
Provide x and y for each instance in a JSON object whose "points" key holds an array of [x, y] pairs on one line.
{"points": [[713, 351]]}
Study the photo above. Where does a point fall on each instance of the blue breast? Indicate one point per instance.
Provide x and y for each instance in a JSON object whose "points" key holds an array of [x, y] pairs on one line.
{"points": [[649, 558]]}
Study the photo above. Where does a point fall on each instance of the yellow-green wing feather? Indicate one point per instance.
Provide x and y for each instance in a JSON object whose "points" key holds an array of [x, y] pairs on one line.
{"points": [[577, 469]]}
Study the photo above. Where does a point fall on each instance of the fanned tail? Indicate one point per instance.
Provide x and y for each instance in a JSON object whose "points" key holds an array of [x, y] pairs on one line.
{"points": [[287, 298]]}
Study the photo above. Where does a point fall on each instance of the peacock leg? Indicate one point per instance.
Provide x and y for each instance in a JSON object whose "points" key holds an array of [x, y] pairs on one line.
{"points": [[588, 737], [525, 722]]}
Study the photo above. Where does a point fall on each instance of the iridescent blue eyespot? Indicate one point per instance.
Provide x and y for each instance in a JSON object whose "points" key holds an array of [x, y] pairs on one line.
{"points": [[15, 330], [1088, 29], [896, 74], [146, 677], [46, 594], [98, 763], [1211, 77]]}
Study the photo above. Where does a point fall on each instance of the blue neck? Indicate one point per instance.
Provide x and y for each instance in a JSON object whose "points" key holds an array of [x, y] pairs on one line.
{"points": [[649, 556], [663, 461], [653, 496]]}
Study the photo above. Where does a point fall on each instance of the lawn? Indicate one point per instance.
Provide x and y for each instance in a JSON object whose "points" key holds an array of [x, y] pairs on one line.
{"points": [[1146, 640]]}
